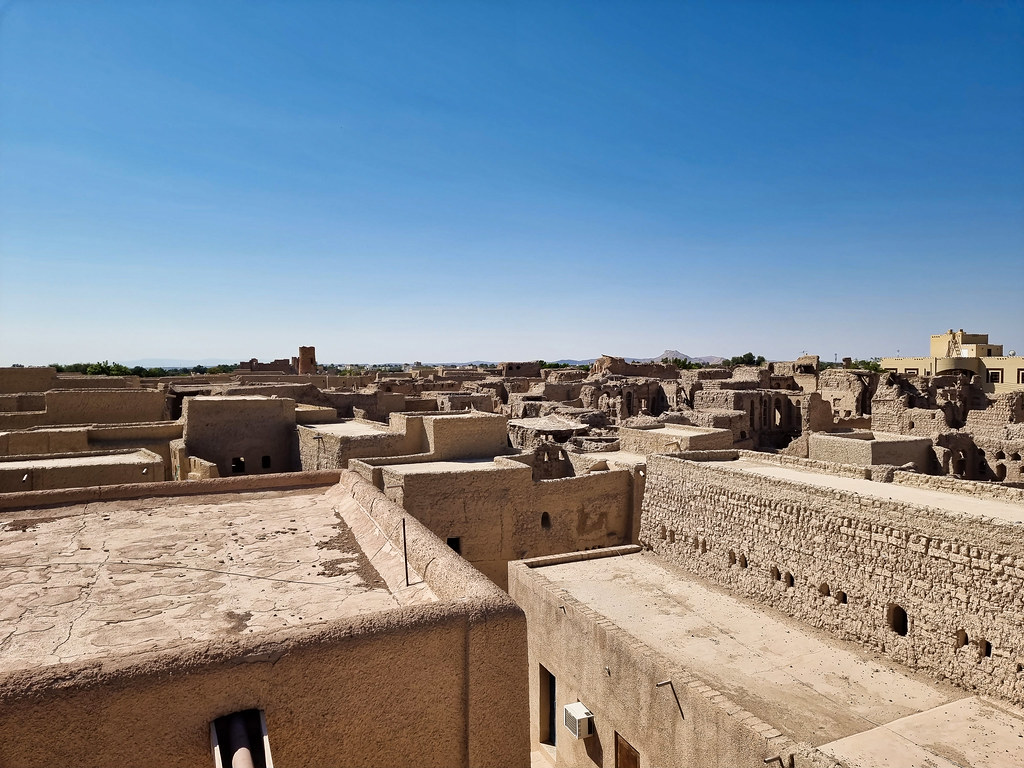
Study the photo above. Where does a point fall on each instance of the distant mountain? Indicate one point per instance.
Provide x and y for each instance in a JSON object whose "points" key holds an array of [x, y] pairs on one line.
{"points": [[672, 354], [577, 362]]}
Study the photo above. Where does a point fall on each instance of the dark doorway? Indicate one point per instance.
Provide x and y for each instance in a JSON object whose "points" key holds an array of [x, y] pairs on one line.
{"points": [[548, 704]]}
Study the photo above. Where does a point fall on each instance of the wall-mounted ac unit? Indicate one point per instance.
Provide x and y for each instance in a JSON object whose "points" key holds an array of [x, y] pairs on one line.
{"points": [[579, 720]]}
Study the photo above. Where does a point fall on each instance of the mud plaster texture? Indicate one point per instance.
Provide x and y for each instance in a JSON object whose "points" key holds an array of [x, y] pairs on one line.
{"points": [[842, 553], [153, 617]]}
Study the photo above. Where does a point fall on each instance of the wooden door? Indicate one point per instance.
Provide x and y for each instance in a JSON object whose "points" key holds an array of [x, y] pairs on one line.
{"points": [[625, 755]]}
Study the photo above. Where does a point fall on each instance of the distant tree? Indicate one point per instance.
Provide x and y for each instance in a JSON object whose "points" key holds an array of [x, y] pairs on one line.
{"points": [[747, 358], [17, 365], [685, 365], [545, 364]]}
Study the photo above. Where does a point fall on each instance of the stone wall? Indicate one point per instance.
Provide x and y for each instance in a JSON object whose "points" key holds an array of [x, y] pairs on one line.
{"points": [[850, 564]]}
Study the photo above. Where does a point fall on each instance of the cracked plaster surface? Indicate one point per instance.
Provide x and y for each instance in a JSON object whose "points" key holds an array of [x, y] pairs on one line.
{"points": [[131, 576]]}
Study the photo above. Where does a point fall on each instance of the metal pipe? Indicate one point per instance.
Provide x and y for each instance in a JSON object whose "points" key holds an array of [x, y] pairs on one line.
{"points": [[405, 553], [674, 695]]}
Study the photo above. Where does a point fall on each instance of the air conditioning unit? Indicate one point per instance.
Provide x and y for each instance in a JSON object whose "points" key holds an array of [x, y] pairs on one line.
{"points": [[579, 720]]}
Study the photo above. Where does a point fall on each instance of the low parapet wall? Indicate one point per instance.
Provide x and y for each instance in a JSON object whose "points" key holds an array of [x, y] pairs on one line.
{"points": [[934, 589], [15, 501], [972, 488]]}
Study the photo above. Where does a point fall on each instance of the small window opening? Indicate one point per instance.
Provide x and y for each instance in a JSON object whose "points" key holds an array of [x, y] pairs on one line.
{"points": [[743, 560], [775, 574], [265, 462], [241, 739], [671, 537], [841, 597], [790, 581], [897, 619], [962, 639], [237, 465], [455, 543], [732, 557], [662, 533], [1015, 457], [824, 590], [985, 649], [545, 520], [703, 546]]}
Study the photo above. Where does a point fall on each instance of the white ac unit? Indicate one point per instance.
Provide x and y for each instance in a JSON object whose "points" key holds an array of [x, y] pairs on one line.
{"points": [[579, 720]]}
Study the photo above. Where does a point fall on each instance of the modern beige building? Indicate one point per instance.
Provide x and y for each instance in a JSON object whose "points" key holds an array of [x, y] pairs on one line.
{"points": [[960, 352]]}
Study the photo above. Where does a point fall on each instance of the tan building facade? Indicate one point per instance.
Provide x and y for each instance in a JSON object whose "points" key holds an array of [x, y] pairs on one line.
{"points": [[960, 352]]}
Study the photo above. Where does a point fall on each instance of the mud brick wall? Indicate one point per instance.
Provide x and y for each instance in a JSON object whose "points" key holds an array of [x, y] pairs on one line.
{"points": [[849, 564]]}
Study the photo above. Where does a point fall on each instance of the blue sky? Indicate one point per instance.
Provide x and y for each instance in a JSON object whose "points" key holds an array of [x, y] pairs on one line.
{"points": [[451, 181]]}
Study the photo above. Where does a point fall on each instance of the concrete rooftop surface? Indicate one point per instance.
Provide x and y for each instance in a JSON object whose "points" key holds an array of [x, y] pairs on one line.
{"points": [[950, 502], [811, 687], [126, 577]]}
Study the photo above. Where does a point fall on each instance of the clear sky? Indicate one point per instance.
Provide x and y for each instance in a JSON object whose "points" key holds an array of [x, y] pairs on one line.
{"points": [[446, 181]]}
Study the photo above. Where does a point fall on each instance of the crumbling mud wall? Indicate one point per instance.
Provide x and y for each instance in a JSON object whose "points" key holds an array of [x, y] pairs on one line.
{"points": [[935, 590]]}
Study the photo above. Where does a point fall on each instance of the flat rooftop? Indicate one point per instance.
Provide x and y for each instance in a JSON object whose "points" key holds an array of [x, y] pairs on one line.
{"points": [[620, 458], [684, 430], [548, 424], [461, 465], [352, 428], [140, 456], [803, 682], [949, 502], [119, 578]]}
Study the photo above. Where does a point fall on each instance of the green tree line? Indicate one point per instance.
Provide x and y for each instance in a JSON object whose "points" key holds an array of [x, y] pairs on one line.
{"points": [[106, 368]]}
